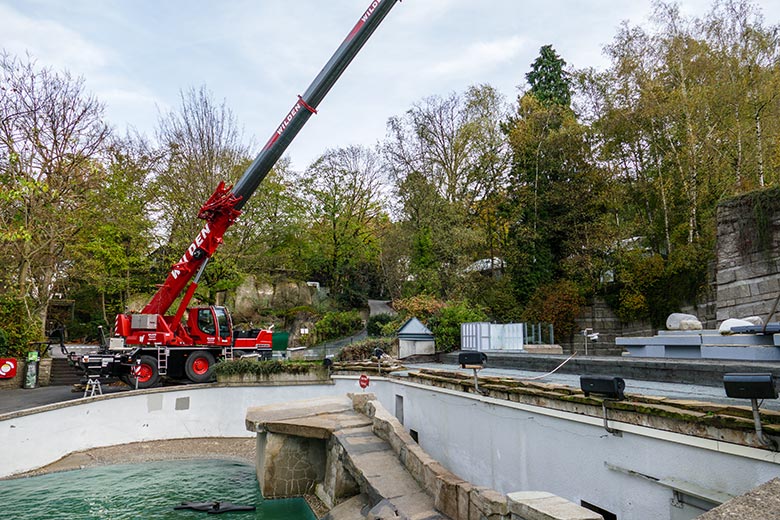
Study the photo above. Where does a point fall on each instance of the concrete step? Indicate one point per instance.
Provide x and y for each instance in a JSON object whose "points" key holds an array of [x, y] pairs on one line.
{"points": [[62, 374]]}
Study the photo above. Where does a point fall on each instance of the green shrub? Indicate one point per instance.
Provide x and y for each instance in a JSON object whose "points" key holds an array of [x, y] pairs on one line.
{"points": [[335, 325], [364, 349], [264, 367], [445, 325], [422, 307], [19, 330], [557, 303], [376, 322], [3, 342], [88, 331], [650, 287]]}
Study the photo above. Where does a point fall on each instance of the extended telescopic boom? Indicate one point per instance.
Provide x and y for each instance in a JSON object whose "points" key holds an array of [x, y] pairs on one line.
{"points": [[224, 206]]}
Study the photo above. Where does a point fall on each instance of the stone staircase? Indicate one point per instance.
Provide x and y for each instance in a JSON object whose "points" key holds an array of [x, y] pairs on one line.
{"points": [[362, 464], [62, 374]]}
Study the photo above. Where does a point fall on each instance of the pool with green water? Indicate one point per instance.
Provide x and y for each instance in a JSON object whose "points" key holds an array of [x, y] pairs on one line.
{"points": [[144, 491]]}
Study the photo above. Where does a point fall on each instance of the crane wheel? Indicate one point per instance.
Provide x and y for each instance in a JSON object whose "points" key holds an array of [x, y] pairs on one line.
{"points": [[200, 366], [148, 373]]}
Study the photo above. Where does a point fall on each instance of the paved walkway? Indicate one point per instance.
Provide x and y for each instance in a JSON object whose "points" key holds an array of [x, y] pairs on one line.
{"points": [[380, 307], [22, 399]]}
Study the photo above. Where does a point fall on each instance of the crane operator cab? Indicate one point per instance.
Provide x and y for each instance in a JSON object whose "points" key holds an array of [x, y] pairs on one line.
{"points": [[210, 325]]}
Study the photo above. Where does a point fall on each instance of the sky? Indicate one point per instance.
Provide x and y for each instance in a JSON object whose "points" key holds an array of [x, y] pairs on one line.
{"points": [[137, 56]]}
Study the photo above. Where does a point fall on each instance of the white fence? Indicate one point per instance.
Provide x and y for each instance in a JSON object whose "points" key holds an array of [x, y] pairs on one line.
{"points": [[483, 336]]}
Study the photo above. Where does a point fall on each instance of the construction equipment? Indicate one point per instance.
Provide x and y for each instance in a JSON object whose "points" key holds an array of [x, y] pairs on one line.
{"points": [[149, 345]]}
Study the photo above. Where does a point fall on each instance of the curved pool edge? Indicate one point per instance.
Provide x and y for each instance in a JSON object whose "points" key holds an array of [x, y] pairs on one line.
{"points": [[43, 435], [240, 449]]}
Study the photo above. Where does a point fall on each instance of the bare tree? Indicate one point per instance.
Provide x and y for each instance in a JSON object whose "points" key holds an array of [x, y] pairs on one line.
{"points": [[455, 142], [202, 146]]}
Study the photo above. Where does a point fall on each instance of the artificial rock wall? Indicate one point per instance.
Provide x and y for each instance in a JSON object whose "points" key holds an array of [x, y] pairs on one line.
{"points": [[748, 255]]}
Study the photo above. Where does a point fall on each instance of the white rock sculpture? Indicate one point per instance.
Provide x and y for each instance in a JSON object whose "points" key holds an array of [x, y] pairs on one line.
{"points": [[727, 325], [681, 321], [691, 325]]}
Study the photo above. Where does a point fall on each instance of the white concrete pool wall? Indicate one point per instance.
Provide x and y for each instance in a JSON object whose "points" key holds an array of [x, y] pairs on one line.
{"points": [[33, 440], [511, 447], [504, 445]]}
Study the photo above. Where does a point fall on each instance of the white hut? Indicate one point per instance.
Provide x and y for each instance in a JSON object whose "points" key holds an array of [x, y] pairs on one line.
{"points": [[414, 339]]}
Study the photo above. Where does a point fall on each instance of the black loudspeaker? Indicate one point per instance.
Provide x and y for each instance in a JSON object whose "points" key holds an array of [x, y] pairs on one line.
{"points": [[471, 358], [605, 385], [750, 386]]}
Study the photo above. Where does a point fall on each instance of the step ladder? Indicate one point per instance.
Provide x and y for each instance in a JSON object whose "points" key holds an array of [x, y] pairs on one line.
{"points": [[162, 360], [227, 352], [93, 385]]}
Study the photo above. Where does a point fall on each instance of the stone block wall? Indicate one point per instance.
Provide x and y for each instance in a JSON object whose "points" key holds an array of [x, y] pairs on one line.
{"points": [[600, 317], [18, 379], [748, 255], [44, 374], [290, 466]]}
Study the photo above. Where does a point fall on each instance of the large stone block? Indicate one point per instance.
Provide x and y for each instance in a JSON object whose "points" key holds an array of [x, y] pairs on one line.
{"points": [[446, 494], [415, 460], [769, 288], [540, 505], [487, 504], [464, 500], [337, 484], [292, 466], [725, 276], [734, 291], [360, 401]]}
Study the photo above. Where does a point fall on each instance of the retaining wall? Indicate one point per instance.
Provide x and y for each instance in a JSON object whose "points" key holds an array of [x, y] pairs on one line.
{"points": [[748, 255]]}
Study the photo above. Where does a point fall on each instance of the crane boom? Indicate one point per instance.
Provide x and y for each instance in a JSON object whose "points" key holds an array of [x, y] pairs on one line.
{"points": [[224, 205]]}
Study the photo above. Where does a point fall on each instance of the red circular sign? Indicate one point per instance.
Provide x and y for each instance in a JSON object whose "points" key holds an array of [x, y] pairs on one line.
{"points": [[363, 381]]}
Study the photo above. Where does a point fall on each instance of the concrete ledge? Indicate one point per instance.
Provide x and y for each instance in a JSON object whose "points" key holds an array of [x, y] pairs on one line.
{"points": [[686, 340], [761, 503]]}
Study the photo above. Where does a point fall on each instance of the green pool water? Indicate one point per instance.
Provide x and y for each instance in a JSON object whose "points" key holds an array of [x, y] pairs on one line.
{"points": [[144, 491]]}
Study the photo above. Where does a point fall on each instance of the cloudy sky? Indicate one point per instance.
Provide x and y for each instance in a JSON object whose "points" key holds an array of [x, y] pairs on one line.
{"points": [[137, 55]]}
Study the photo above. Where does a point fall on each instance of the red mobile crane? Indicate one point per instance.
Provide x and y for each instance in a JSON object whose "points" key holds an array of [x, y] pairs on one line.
{"points": [[149, 345]]}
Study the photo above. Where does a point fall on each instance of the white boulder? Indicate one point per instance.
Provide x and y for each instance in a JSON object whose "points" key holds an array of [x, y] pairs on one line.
{"points": [[681, 321], [727, 325]]}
